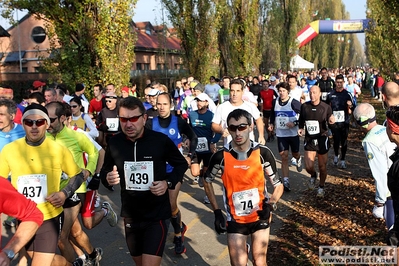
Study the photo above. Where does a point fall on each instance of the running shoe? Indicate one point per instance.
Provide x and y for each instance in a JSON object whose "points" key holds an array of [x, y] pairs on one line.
{"points": [[312, 182], [206, 200], [299, 164], [286, 184], [10, 222], [98, 203], [201, 181], [293, 161], [179, 245], [78, 262], [320, 192], [99, 255], [335, 162], [112, 218], [195, 181], [342, 165]]}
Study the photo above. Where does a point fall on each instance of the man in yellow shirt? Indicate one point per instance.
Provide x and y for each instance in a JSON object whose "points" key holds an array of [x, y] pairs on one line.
{"points": [[36, 164]]}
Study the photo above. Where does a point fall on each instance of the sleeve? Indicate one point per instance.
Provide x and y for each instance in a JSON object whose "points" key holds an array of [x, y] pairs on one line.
{"points": [[296, 106], [217, 118], [68, 163], [214, 166], [108, 165], [91, 126], [379, 169], [91, 151], [185, 129], [148, 124], [16, 205], [99, 119], [91, 107], [301, 119], [270, 167], [174, 157]]}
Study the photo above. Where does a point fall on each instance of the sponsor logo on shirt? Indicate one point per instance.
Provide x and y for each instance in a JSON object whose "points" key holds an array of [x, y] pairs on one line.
{"points": [[243, 167]]}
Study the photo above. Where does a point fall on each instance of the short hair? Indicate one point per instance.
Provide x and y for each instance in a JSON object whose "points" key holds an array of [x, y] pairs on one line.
{"points": [[59, 108], [340, 76], [238, 113], [167, 95], [62, 87], [283, 85], [10, 104], [323, 68], [60, 92], [238, 82], [52, 90], [226, 77], [291, 77], [390, 93], [131, 103], [38, 96], [99, 86]]}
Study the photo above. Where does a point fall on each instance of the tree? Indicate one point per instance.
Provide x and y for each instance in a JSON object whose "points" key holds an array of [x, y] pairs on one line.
{"points": [[91, 41]]}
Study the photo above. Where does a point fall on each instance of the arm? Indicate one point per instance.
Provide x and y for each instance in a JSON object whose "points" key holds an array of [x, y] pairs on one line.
{"points": [[261, 128], [87, 146], [270, 169], [175, 159], [91, 126], [185, 129]]}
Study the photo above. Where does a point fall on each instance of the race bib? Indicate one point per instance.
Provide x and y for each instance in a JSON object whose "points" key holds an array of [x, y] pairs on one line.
{"points": [[226, 98], [139, 175], [324, 96], [246, 202], [202, 145], [312, 127], [112, 124], [281, 122], [339, 116], [33, 187]]}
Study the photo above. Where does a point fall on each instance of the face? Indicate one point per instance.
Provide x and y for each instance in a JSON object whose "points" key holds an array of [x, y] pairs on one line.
{"points": [[146, 91], [393, 137], [303, 82], [212, 80], [292, 83], [153, 100], [340, 84], [196, 92], [324, 74], [163, 106], [265, 85], [111, 103], [283, 93], [239, 137], [236, 93], [75, 108], [314, 94], [350, 80], [35, 132], [178, 84], [226, 83], [5, 118], [132, 129], [201, 105], [110, 88], [96, 91], [56, 123], [125, 94]]}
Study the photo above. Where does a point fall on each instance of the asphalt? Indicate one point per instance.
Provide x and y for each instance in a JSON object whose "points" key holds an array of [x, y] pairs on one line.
{"points": [[204, 246]]}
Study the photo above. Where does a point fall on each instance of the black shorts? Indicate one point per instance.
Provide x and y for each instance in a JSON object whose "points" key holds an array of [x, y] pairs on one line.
{"points": [[267, 113], [46, 238], [72, 201], [321, 144], [247, 228], [284, 144], [145, 237], [204, 157]]}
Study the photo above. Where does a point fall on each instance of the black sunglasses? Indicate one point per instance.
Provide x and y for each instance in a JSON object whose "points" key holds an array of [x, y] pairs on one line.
{"points": [[52, 119], [240, 127]]}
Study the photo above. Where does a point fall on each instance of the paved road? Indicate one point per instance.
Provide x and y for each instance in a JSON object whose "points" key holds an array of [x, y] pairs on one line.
{"points": [[204, 246]]}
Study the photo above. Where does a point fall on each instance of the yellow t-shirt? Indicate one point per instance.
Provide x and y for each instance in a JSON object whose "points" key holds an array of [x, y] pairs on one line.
{"points": [[36, 170]]}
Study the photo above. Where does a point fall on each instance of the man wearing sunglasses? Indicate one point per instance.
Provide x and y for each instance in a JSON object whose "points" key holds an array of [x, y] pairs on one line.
{"points": [[137, 159], [378, 149], [36, 164], [107, 120], [246, 167]]}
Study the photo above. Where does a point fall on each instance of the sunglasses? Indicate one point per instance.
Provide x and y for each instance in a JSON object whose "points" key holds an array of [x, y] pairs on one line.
{"points": [[74, 106], [52, 119], [240, 127], [132, 119], [38, 122]]}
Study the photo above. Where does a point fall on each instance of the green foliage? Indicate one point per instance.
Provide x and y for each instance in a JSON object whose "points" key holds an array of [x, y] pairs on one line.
{"points": [[90, 40]]}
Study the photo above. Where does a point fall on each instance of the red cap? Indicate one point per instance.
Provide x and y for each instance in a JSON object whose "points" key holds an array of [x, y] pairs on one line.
{"points": [[38, 83], [125, 89]]}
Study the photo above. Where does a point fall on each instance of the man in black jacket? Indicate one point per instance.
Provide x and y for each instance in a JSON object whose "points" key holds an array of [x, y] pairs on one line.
{"points": [[325, 83]]}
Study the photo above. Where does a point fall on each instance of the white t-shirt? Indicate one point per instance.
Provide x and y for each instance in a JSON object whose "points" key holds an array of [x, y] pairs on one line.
{"points": [[296, 94], [226, 108], [213, 91]]}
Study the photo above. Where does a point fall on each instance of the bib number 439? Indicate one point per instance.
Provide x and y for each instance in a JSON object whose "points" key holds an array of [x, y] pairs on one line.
{"points": [[139, 178]]}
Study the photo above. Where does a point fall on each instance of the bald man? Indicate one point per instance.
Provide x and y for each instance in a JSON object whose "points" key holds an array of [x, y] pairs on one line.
{"points": [[390, 94]]}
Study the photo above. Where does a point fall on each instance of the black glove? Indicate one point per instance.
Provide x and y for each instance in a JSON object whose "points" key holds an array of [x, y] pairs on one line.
{"points": [[102, 127], [220, 222], [264, 214], [94, 183]]}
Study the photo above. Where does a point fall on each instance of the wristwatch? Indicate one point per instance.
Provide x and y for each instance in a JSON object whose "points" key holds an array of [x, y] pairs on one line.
{"points": [[169, 183], [10, 254]]}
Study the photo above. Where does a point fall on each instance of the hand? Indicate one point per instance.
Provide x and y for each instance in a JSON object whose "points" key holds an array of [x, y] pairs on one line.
{"points": [[220, 222], [331, 120], [94, 183], [188, 159], [159, 188], [301, 132], [4, 260], [290, 124], [113, 177], [86, 174], [264, 214], [102, 127], [57, 199], [270, 127], [212, 147], [261, 140], [225, 133], [349, 103]]}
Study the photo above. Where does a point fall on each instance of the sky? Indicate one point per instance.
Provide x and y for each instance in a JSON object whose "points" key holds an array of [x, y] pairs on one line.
{"points": [[150, 10]]}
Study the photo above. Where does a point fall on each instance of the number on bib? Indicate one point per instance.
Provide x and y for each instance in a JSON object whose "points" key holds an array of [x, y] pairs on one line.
{"points": [[33, 187], [246, 202], [139, 175], [312, 127]]}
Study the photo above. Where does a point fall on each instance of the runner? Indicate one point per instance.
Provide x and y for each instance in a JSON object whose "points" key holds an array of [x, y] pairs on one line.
{"points": [[81, 119], [315, 115], [140, 156], [245, 167], [267, 96]]}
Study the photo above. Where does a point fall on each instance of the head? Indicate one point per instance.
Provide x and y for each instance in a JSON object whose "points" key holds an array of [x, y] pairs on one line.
{"points": [[63, 87], [324, 73], [152, 97], [178, 84], [364, 115], [236, 91], [303, 82], [35, 121], [273, 81], [57, 115], [163, 88], [98, 90], [284, 90], [212, 79], [36, 97], [111, 100], [146, 91], [350, 80], [226, 82], [164, 102], [156, 85], [198, 89], [132, 117], [8, 109], [79, 89], [292, 82], [393, 124], [339, 81], [110, 88], [38, 85], [50, 95], [315, 94], [125, 92], [239, 124], [265, 84], [202, 102], [76, 106], [390, 94]]}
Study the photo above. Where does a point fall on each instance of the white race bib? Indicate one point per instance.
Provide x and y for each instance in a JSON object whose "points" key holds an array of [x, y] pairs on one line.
{"points": [[246, 202], [112, 124], [202, 145], [312, 127], [281, 122], [33, 187], [139, 175], [324, 96], [339, 116]]}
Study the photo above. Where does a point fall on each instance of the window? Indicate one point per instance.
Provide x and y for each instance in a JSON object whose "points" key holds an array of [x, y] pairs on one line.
{"points": [[38, 34], [24, 70], [142, 66]]}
